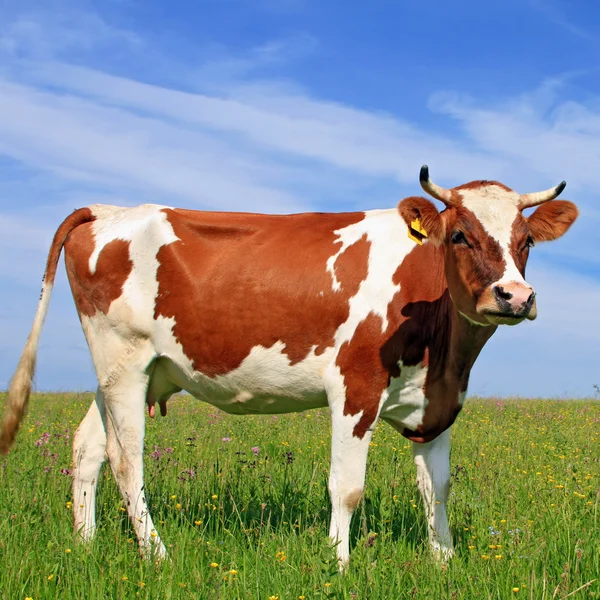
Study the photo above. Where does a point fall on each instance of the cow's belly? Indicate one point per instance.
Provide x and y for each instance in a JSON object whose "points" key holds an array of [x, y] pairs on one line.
{"points": [[264, 383]]}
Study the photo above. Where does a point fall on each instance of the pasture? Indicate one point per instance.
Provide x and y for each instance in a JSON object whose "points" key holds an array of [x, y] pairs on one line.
{"points": [[243, 507]]}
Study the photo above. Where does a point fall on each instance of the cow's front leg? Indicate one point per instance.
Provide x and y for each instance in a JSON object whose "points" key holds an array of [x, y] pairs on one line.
{"points": [[433, 478], [347, 477]]}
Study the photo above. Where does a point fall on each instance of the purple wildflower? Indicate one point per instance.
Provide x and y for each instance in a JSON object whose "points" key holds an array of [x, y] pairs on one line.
{"points": [[256, 450], [43, 439], [226, 439]]}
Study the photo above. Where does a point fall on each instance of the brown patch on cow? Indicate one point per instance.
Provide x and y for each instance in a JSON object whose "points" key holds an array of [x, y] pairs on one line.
{"points": [[518, 246], [364, 375], [351, 266], [352, 499], [552, 219], [236, 281], [94, 292], [411, 321]]}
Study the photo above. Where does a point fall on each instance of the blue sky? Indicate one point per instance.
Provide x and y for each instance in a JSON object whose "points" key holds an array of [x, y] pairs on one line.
{"points": [[292, 105]]}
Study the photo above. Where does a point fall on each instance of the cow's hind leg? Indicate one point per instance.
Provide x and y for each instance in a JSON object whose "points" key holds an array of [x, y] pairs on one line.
{"points": [[125, 424], [347, 478], [433, 478], [89, 447]]}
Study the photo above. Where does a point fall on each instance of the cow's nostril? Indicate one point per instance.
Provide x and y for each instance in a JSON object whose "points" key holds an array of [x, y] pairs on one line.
{"points": [[531, 299], [501, 293]]}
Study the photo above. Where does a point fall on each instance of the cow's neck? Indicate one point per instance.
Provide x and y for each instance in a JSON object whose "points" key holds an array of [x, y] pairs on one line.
{"points": [[431, 331], [467, 339]]}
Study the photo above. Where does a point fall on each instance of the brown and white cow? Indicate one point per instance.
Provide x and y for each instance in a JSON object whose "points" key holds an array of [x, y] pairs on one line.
{"points": [[272, 314]]}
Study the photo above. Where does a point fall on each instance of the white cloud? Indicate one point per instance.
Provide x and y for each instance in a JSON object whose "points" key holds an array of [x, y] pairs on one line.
{"points": [[45, 33], [303, 127], [220, 69]]}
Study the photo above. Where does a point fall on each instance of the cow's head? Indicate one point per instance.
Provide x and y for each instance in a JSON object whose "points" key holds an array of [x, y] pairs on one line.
{"points": [[487, 239]]}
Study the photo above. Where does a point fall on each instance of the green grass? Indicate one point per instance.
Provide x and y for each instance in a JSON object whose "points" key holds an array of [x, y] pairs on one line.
{"points": [[523, 509]]}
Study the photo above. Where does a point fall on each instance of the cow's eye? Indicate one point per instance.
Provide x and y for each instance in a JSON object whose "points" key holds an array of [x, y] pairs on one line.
{"points": [[529, 243], [458, 237]]}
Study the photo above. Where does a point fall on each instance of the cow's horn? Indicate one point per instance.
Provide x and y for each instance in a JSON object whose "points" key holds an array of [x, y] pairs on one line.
{"points": [[433, 189], [536, 198]]}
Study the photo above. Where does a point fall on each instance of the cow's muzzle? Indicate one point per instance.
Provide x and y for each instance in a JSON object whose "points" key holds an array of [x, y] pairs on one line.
{"points": [[509, 304]]}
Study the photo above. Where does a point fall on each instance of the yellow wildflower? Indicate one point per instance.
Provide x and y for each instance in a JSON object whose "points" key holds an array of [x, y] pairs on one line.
{"points": [[214, 565]]}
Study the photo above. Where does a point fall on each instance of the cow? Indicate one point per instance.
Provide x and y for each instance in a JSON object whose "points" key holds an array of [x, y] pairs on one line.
{"points": [[376, 315]]}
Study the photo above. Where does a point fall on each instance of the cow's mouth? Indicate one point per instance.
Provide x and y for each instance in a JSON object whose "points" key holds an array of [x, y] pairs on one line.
{"points": [[503, 318]]}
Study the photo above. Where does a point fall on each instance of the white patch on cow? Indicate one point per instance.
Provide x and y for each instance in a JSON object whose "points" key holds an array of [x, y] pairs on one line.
{"points": [[389, 244], [265, 381], [406, 402], [496, 209], [147, 229]]}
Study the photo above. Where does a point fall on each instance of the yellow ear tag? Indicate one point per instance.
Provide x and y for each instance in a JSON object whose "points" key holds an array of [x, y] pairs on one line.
{"points": [[417, 232]]}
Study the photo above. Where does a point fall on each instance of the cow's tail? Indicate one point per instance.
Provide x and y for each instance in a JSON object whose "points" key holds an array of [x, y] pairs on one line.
{"points": [[20, 385]]}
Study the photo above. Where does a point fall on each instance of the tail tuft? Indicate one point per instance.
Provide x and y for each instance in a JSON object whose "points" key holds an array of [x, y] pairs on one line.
{"points": [[18, 398], [20, 386]]}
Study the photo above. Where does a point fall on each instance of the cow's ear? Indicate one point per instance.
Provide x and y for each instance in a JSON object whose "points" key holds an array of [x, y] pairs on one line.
{"points": [[422, 219], [551, 220]]}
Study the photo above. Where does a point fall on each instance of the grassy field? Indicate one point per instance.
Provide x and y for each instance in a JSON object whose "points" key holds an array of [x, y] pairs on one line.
{"points": [[242, 505]]}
